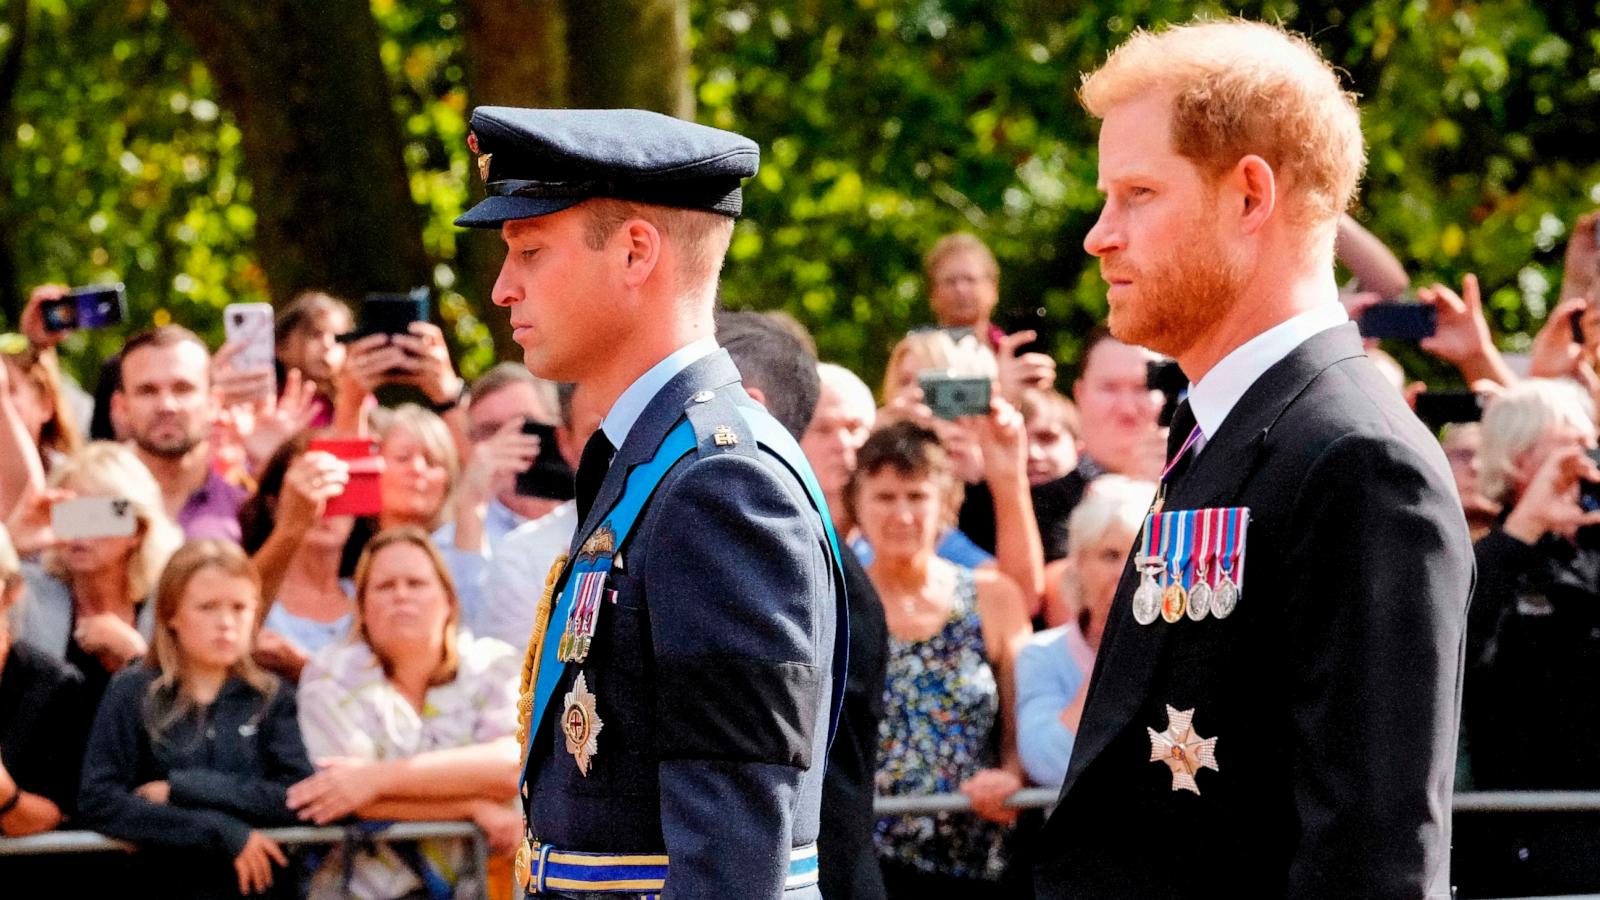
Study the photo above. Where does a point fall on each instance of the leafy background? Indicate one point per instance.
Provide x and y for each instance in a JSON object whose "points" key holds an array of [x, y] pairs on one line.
{"points": [[883, 125]]}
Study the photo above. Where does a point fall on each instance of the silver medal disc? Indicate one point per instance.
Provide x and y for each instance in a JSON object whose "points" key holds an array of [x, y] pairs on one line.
{"points": [[1199, 601], [1146, 601], [1225, 598]]}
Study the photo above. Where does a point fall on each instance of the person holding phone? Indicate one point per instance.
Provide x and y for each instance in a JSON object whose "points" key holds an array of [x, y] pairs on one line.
{"points": [[38, 425], [1531, 641], [193, 751], [87, 596], [511, 427], [298, 547]]}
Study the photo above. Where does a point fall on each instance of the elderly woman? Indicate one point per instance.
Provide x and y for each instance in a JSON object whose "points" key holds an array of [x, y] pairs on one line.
{"points": [[86, 601], [953, 636], [43, 721], [1532, 632], [409, 720], [1053, 669]]}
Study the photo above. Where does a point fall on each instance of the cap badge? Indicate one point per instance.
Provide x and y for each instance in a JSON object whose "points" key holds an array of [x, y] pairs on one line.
{"points": [[483, 165]]}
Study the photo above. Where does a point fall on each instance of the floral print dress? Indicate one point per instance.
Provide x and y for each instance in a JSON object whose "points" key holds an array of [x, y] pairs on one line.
{"points": [[942, 709]]}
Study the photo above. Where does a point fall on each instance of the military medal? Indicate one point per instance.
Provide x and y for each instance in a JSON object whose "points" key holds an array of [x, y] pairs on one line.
{"points": [[1174, 598], [1227, 594], [1200, 594], [581, 619], [580, 725], [1147, 597], [1182, 750]]}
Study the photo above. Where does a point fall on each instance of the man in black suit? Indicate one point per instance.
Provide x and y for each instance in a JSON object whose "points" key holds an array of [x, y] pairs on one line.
{"points": [[1299, 741]]}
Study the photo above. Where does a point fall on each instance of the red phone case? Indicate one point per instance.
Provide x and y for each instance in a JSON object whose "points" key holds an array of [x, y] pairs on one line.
{"points": [[363, 496]]}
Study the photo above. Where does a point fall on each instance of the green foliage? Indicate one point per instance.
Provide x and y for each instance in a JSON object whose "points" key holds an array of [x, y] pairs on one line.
{"points": [[124, 166], [883, 125]]}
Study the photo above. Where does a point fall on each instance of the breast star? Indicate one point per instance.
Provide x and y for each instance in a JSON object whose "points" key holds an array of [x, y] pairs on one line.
{"points": [[1184, 752]]}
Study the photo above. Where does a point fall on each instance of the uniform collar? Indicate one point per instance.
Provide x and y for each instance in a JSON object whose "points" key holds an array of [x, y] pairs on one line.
{"points": [[631, 404], [1213, 397]]}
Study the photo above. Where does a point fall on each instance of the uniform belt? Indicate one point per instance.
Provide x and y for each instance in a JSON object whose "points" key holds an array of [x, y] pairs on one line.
{"points": [[572, 872]]}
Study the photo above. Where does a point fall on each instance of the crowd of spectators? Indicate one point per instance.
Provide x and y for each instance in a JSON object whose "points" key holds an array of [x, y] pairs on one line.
{"points": [[250, 652]]}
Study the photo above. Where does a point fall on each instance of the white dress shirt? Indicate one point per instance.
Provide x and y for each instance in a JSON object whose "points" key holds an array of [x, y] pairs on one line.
{"points": [[631, 404], [1215, 395]]}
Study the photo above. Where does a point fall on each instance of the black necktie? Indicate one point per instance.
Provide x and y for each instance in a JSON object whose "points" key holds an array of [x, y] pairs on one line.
{"points": [[592, 468]]}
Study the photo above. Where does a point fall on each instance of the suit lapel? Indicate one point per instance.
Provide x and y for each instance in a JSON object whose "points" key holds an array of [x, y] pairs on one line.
{"points": [[664, 410], [1130, 652]]}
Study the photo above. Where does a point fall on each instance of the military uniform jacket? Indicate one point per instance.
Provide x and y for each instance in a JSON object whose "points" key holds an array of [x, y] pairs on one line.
{"points": [[1333, 689], [710, 665]]}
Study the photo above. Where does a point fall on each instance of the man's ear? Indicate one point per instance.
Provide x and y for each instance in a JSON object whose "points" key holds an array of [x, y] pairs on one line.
{"points": [[1257, 188], [641, 242], [756, 394]]}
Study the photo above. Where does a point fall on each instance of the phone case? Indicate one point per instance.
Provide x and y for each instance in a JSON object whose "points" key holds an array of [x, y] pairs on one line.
{"points": [[83, 518], [250, 324], [363, 495]]}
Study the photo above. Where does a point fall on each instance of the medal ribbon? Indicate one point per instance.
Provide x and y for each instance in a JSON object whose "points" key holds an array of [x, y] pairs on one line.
{"points": [[1166, 534], [1202, 559], [1182, 546], [1238, 562], [1194, 435], [1230, 534]]}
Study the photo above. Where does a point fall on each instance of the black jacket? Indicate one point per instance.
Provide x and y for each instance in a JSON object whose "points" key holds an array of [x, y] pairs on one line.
{"points": [[845, 850], [1333, 689], [228, 767]]}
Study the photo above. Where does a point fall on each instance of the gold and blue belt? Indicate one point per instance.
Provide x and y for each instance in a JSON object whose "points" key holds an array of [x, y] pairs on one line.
{"points": [[569, 871]]}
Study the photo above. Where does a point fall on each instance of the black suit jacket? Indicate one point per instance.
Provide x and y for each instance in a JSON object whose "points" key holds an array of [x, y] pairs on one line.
{"points": [[1334, 688]]}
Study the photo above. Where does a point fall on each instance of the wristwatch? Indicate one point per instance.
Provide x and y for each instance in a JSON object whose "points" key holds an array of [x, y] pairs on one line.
{"points": [[445, 406]]}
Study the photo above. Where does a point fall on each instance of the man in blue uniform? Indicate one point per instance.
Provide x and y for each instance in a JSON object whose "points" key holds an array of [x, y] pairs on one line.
{"points": [[682, 682]]}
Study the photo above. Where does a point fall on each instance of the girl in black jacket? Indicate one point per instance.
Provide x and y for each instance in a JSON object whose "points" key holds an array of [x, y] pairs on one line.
{"points": [[194, 750]]}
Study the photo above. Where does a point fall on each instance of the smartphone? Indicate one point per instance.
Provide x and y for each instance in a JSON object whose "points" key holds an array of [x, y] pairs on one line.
{"points": [[250, 325], [1440, 408], [1399, 321], [86, 307], [1589, 494], [549, 476], [954, 396], [82, 518], [390, 313], [363, 495]]}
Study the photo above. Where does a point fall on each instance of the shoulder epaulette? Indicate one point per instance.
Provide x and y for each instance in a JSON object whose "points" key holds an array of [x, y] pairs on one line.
{"points": [[718, 426]]}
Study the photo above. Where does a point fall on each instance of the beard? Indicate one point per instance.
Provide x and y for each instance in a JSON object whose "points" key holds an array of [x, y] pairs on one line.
{"points": [[1173, 303], [172, 445]]}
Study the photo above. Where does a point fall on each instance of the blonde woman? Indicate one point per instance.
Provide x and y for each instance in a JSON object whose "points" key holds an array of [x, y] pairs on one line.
{"points": [[411, 719], [87, 600], [194, 750]]}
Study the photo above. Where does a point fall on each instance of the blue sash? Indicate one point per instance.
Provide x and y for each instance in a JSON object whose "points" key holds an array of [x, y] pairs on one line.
{"points": [[641, 485]]}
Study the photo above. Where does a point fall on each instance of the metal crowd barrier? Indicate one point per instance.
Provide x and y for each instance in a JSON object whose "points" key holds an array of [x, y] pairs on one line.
{"points": [[1473, 801]]}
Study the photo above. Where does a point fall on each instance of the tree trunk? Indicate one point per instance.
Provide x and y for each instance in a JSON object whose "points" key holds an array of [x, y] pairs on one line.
{"points": [[629, 53], [17, 21], [321, 144], [515, 56]]}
